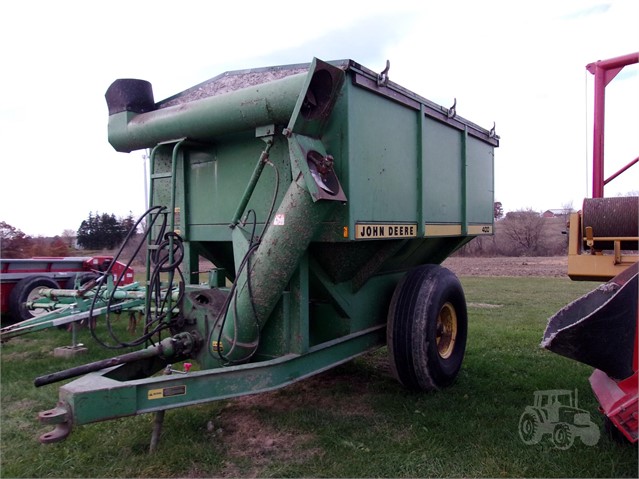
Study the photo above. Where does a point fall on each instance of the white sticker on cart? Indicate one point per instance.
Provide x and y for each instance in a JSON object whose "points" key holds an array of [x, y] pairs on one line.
{"points": [[279, 220]]}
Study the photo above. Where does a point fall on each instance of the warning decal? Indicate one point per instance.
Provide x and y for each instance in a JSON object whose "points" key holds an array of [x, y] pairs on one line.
{"points": [[379, 231], [166, 392]]}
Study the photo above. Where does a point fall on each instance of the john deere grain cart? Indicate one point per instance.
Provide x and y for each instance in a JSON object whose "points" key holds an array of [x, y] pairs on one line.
{"points": [[326, 196]]}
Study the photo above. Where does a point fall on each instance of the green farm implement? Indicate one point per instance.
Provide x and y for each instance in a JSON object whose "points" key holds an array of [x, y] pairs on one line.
{"points": [[326, 196]]}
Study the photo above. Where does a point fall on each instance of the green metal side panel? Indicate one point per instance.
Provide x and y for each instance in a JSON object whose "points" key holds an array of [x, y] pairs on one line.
{"points": [[442, 171], [400, 165], [217, 184], [382, 159], [480, 185], [216, 178]]}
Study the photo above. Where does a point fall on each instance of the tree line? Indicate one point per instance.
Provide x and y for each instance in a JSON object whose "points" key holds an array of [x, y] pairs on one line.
{"points": [[97, 232], [517, 233], [523, 232], [15, 244]]}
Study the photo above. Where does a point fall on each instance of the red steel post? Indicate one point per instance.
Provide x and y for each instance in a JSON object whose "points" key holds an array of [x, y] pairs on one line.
{"points": [[604, 71]]}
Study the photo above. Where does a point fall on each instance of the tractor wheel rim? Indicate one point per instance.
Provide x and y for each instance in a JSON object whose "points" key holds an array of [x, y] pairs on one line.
{"points": [[34, 296], [446, 330]]}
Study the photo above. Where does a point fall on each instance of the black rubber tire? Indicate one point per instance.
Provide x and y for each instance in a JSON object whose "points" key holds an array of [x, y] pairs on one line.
{"points": [[20, 294], [420, 297]]}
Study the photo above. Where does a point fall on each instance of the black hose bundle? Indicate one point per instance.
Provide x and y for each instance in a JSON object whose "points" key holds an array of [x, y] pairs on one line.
{"points": [[166, 256]]}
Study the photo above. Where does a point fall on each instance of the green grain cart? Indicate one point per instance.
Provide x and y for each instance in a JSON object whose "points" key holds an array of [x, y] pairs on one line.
{"points": [[326, 196]]}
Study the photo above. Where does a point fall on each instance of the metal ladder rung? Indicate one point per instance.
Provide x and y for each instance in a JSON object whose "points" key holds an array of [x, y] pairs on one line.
{"points": [[156, 176]]}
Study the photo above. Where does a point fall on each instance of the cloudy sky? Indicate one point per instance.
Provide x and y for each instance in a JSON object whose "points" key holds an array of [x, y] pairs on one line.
{"points": [[518, 64]]}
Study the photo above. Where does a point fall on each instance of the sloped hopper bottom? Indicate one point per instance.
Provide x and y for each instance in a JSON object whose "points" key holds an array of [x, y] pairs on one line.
{"points": [[599, 329]]}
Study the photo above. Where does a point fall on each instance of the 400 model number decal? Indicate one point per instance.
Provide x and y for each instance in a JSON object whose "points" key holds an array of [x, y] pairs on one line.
{"points": [[378, 231]]}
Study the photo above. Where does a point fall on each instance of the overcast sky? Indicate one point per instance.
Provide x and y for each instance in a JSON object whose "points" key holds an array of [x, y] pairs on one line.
{"points": [[518, 64]]}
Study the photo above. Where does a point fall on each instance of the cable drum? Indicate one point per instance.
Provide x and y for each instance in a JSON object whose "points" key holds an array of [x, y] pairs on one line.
{"points": [[612, 217]]}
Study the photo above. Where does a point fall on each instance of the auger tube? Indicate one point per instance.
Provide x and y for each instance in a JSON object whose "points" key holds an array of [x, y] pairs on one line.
{"points": [[269, 103], [271, 266]]}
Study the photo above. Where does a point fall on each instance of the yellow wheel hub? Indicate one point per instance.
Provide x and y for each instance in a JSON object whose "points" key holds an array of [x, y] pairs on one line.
{"points": [[446, 330]]}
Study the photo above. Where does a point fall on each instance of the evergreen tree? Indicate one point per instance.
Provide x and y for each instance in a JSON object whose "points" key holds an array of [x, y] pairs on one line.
{"points": [[103, 231], [127, 224]]}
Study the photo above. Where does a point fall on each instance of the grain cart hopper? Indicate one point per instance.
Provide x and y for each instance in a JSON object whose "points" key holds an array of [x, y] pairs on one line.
{"points": [[326, 196], [600, 329]]}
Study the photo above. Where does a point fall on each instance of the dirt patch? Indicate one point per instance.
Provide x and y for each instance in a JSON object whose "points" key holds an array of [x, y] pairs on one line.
{"points": [[248, 439], [305, 392], [552, 266]]}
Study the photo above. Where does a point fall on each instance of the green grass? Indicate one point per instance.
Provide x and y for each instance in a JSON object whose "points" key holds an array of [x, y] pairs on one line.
{"points": [[353, 421]]}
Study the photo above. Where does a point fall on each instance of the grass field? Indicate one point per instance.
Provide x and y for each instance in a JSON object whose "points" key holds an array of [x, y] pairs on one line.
{"points": [[353, 421]]}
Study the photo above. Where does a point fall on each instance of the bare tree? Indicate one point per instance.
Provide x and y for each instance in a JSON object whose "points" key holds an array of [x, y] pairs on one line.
{"points": [[69, 236], [566, 209], [524, 229]]}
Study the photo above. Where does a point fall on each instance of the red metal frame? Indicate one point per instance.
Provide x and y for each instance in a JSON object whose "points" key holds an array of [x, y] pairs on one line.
{"points": [[619, 399], [604, 71], [52, 267]]}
